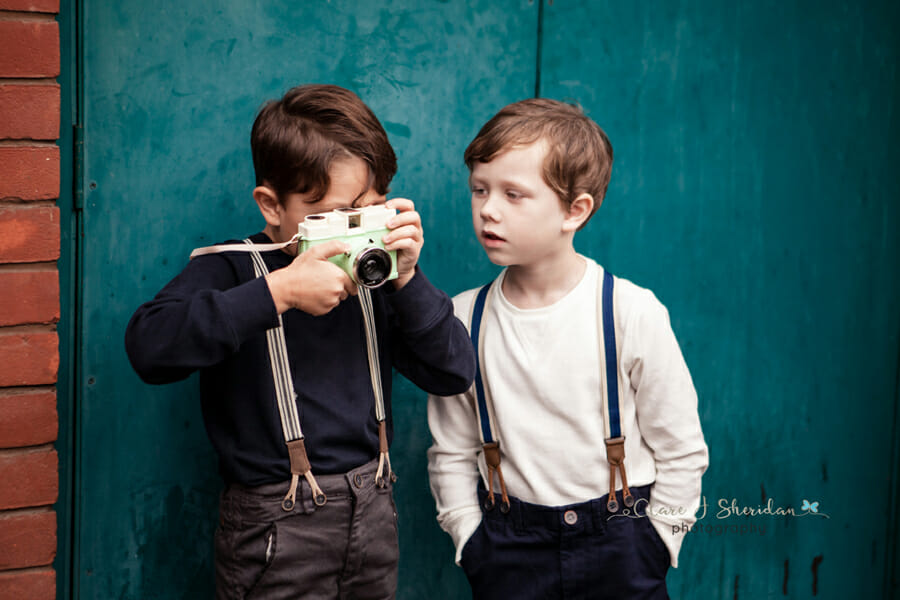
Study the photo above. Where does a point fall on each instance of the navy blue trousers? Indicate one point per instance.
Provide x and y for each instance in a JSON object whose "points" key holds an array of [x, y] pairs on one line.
{"points": [[580, 551]]}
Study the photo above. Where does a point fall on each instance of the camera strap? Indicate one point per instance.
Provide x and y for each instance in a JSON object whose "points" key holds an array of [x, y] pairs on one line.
{"points": [[247, 246], [286, 399], [609, 384]]}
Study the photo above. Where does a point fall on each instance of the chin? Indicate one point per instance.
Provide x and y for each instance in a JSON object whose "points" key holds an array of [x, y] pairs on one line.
{"points": [[498, 259]]}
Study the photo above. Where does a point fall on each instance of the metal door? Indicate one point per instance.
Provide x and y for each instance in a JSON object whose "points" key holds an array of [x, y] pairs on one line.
{"points": [[753, 191]]}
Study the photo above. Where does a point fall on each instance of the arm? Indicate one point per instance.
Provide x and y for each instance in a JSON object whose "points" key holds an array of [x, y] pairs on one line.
{"points": [[429, 345], [453, 466], [198, 319], [666, 405]]}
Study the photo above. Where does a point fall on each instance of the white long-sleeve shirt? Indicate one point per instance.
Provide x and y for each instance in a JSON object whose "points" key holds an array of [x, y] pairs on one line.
{"points": [[543, 369]]}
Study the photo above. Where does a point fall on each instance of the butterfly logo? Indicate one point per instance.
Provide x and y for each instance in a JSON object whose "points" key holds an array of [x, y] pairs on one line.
{"points": [[809, 507]]}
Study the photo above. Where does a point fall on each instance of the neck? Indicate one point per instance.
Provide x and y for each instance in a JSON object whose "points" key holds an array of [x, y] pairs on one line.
{"points": [[275, 234], [542, 284]]}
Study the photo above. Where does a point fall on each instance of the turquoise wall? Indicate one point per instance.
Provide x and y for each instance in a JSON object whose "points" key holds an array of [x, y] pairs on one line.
{"points": [[754, 190]]}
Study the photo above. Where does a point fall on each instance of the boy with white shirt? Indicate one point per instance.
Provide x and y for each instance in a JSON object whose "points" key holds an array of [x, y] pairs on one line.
{"points": [[581, 387]]}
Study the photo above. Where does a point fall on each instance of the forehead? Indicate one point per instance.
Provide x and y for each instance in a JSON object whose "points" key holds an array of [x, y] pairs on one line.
{"points": [[518, 158], [349, 178]]}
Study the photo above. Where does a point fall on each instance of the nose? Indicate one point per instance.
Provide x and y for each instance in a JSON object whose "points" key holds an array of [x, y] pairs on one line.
{"points": [[489, 209]]}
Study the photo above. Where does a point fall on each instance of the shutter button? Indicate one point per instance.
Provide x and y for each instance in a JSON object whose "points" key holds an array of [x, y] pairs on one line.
{"points": [[570, 517], [357, 479]]}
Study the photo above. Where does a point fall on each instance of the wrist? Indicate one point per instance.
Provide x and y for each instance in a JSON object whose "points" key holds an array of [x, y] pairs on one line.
{"points": [[403, 279], [278, 291]]}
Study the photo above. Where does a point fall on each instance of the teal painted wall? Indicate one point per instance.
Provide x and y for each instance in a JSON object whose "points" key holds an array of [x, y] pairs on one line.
{"points": [[754, 190]]}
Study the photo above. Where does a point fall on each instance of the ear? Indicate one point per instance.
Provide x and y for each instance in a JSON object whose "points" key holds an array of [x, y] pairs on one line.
{"points": [[269, 205], [578, 212]]}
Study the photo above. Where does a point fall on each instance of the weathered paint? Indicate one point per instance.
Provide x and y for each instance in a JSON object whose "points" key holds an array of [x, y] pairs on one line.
{"points": [[753, 191], [170, 94]]}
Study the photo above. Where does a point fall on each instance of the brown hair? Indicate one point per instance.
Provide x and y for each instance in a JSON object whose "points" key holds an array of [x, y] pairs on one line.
{"points": [[579, 156], [295, 139]]}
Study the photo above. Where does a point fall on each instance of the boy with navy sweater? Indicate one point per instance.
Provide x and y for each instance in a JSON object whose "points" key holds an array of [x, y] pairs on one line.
{"points": [[562, 472], [334, 534]]}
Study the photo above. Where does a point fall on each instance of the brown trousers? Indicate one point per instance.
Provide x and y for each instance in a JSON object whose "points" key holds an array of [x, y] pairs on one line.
{"points": [[346, 549]]}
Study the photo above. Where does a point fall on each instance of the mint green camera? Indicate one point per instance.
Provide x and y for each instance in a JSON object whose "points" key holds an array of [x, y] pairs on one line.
{"points": [[367, 262]]}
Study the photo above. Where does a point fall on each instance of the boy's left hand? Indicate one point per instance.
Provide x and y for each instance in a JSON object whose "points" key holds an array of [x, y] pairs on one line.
{"points": [[406, 237]]}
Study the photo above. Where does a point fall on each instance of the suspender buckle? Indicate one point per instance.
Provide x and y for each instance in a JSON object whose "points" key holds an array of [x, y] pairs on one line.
{"points": [[615, 456], [300, 466], [492, 458]]}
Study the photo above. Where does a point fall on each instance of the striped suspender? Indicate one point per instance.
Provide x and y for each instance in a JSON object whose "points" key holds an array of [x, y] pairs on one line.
{"points": [[287, 405], [615, 441], [384, 458]]}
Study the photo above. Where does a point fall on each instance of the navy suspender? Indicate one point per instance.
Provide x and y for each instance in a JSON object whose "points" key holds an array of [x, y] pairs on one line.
{"points": [[477, 311], [609, 343], [615, 443]]}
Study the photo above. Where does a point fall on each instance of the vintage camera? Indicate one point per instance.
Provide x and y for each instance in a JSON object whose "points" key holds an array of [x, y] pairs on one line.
{"points": [[367, 262]]}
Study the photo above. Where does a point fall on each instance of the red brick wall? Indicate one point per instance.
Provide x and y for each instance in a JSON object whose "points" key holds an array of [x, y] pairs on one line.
{"points": [[29, 295]]}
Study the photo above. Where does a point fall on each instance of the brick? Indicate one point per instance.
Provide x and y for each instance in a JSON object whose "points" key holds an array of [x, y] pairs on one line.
{"points": [[29, 172], [30, 478], [28, 419], [27, 540], [28, 359], [29, 297], [29, 49], [29, 234], [40, 6], [34, 584], [29, 112]]}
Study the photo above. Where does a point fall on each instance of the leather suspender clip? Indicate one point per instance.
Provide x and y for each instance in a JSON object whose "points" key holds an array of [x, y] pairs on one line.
{"points": [[492, 458], [615, 455]]}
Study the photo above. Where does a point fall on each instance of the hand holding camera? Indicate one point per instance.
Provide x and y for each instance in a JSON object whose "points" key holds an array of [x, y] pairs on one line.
{"points": [[347, 247], [311, 282], [406, 238]]}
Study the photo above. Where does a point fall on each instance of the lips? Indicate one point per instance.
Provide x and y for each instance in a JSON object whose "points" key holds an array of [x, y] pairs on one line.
{"points": [[491, 239]]}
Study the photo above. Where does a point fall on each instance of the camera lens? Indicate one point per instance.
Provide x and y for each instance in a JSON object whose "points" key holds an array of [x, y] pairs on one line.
{"points": [[372, 267]]}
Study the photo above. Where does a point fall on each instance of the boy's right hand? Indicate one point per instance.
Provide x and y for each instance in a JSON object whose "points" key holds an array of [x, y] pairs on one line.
{"points": [[311, 283]]}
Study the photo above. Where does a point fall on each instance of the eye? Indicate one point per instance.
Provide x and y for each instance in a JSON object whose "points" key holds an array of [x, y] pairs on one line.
{"points": [[513, 195], [478, 190]]}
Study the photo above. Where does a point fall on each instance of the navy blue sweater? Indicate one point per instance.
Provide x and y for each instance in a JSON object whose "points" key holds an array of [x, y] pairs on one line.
{"points": [[213, 318]]}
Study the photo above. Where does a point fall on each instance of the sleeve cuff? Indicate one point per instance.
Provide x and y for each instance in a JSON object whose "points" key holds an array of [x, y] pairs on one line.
{"points": [[463, 529], [672, 536]]}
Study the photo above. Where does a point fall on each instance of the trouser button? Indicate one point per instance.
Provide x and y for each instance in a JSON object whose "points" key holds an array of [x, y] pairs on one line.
{"points": [[570, 517]]}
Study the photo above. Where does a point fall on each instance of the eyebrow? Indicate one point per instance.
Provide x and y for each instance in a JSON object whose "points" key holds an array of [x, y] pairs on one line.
{"points": [[504, 183]]}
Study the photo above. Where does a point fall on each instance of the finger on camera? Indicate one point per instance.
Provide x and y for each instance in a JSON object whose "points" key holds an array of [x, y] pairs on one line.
{"points": [[405, 246], [349, 286], [401, 204], [326, 250], [407, 232], [405, 218]]}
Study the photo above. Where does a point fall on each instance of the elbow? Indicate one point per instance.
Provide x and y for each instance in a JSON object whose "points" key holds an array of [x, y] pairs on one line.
{"points": [[148, 365], [143, 365], [465, 373], [460, 380], [453, 386]]}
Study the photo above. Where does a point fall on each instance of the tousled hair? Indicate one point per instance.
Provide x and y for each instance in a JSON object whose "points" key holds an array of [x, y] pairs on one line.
{"points": [[579, 154], [295, 140]]}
